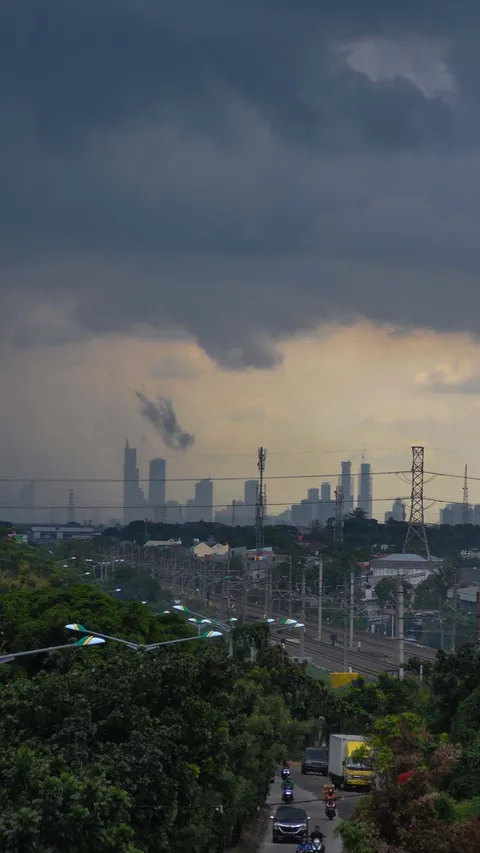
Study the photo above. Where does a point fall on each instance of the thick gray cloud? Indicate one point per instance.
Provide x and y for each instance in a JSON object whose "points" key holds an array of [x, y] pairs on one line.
{"points": [[240, 172]]}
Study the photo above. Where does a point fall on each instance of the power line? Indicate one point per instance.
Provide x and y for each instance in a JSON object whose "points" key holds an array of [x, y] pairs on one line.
{"points": [[313, 476], [177, 506]]}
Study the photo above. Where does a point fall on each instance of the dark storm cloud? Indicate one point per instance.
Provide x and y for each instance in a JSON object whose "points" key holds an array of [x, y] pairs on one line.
{"points": [[243, 171], [164, 420]]}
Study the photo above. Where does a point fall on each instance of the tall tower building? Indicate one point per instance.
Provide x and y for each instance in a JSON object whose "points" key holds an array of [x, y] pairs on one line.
{"points": [[133, 499], [156, 488], [313, 498], [204, 500], [250, 500], [326, 508], [365, 489], [346, 484]]}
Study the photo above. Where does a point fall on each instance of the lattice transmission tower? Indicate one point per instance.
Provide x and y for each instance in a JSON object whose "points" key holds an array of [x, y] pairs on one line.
{"points": [[261, 502], [416, 541]]}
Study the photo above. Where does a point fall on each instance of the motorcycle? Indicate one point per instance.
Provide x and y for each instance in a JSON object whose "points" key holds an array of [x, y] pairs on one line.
{"points": [[330, 809], [285, 774], [318, 845], [287, 795]]}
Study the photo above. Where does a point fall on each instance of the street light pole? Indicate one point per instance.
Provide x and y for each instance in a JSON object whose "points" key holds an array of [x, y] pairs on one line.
{"points": [[320, 599], [304, 592], [345, 625], [84, 641], [352, 601]]}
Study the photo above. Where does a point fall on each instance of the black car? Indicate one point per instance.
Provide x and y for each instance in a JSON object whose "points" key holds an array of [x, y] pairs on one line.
{"points": [[290, 823], [316, 761]]}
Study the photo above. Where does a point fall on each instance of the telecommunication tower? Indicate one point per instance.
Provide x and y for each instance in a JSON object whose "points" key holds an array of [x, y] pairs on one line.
{"points": [[261, 501], [416, 541], [71, 507], [338, 526], [465, 507]]}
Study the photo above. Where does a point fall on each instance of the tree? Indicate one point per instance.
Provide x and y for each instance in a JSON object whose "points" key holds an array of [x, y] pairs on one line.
{"points": [[407, 810], [386, 592]]}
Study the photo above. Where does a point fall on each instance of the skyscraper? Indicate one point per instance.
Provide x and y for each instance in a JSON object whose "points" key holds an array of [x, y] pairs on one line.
{"points": [[133, 499], [250, 501], [365, 489], [326, 508], [156, 488], [313, 497], [346, 484], [204, 500]]}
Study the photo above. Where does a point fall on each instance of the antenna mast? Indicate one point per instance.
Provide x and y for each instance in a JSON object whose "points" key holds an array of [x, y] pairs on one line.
{"points": [[465, 507], [261, 501]]}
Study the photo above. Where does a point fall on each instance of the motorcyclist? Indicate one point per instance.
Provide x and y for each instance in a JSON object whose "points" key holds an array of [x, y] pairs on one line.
{"points": [[287, 783], [304, 846], [330, 794], [316, 833]]}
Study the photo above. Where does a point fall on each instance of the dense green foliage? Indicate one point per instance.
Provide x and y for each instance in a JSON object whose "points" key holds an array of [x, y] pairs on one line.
{"points": [[359, 533], [115, 751]]}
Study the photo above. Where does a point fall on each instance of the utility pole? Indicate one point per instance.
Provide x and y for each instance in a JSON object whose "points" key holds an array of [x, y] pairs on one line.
{"points": [[302, 619], [478, 618], [352, 601], [400, 627], [290, 586], [338, 525], [320, 598], [453, 641], [465, 506], [345, 625]]}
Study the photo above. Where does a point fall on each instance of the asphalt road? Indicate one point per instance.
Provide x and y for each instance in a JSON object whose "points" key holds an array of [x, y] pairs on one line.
{"points": [[310, 789]]}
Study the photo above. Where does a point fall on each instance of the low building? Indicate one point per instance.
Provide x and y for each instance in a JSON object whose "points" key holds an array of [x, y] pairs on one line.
{"points": [[413, 567], [62, 533]]}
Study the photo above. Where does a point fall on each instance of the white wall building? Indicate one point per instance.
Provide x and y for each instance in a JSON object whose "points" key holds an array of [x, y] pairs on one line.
{"points": [[414, 568]]}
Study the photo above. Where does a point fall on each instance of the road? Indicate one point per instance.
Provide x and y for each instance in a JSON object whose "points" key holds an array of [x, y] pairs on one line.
{"points": [[309, 789]]}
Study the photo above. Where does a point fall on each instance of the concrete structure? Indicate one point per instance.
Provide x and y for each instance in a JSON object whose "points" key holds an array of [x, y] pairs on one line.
{"points": [[204, 500], [156, 488], [414, 568], [365, 489]]}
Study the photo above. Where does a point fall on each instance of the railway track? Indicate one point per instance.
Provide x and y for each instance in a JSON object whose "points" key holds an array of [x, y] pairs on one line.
{"points": [[381, 649]]}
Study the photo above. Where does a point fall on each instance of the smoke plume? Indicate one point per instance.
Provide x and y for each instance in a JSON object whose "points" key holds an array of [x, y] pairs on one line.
{"points": [[162, 416]]}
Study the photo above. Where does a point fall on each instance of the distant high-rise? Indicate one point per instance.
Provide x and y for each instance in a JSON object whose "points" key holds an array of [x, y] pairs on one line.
{"points": [[313, 497], [250, 500], [397, 512], [133, 499], [173, 512], [191, 512], [326, 508], [346, 484], [365, 489], [156, 488], [204, 500], [325, 492]]}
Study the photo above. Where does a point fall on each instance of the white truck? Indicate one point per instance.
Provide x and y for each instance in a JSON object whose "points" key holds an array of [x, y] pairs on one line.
{"points": [[344, 768]]}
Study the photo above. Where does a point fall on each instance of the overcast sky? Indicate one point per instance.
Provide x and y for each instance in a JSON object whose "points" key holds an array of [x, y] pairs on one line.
{"points": [[247, 202]]}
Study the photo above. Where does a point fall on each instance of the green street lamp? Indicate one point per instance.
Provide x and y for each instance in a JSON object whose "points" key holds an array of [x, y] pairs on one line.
{"points": [[89, 640], [144, 647]]}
